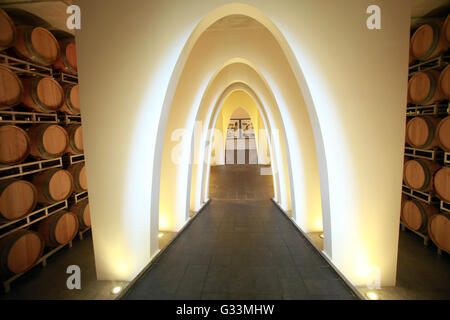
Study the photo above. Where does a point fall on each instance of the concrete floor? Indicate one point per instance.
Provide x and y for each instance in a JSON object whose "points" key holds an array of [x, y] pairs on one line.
{"points": [[240, 249]]}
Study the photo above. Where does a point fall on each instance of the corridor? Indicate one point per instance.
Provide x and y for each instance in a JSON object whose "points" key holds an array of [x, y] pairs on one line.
{"points": [[240, 247]]}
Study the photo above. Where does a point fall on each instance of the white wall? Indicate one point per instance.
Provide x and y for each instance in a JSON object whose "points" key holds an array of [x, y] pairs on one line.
{"points": [[352, 83]]}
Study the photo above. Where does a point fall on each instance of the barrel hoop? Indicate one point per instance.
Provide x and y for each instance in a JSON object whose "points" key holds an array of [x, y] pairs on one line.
{"points": [[30, 48], [428, 176], [423, 214], [52, 227], [64, 57], [432, 133], [46, 192], [433, 87], [434, 44], [35, 98], [68, 101], [4, 251], [40, 146], [72, 138]]}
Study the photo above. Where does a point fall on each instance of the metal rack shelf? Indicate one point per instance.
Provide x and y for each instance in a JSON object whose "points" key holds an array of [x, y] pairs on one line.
{"points": [[430, 154], [70, 119], [18, 117], [442, 108], [434, 63], [66, 77], [447, 158], [8, 172], [426, 238], [73, 159], [80, 196], [36, 216], [426, 197], [23, 66]]}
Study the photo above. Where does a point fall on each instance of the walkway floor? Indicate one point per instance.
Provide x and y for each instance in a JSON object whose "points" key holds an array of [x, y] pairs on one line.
{"points": [[240, 250]]}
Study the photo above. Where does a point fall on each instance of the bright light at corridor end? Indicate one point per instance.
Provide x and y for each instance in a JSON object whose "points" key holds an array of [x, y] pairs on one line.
{"points": [[160, 235], [116, 290], [372, 295]]}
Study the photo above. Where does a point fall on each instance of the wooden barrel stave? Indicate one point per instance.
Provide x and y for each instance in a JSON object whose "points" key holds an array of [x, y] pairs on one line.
{"points": [[53, 185], [11, 89], [7, 31], [428, 41], [423, 88], [17, 199], [439, 231], [36, 44], [444, 82], [421, 132], [78, 172], [48, 141], [59, 229], [415, 215], [20, 251], [418, 174], [83, 213], [67, 60], [441, 183], [14, 144], [71, 103], [42, 94], [75, 145]]}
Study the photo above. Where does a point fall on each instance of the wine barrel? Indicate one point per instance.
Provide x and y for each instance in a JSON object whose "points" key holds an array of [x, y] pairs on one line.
{"points": [[442, 183], [81, 210], [443, 133], [428, 41], [446, 30], [75, 145], [36, 44], [418, 174], [7, 31], [67, 60], [42, 94], [71, 99], [444, 82], [421, 132], [14, 144], [48, 141], [78, 172], [423, 87], [11, 88], [415, 215], [59, 228], [53, 185], [20, 251], [411, 56], [17, 199], [439, 231]]}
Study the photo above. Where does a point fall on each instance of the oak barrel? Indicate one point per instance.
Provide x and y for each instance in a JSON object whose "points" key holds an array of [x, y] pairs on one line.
{"points": [[439, 231], [443, 133], [444, 82], [428, 41], [78, 172], [83, 213], [59, 229], [418, 174], [48, 141], [7, 31], [14, 144], [11, 88], [17, 199], [75, 134], [415, 215], [446, 29], [42, 94], [421, 132], [423, 87], [36, 44], [442, 183], [71, 99], [53, 185], [20, 251], [67, 60]]}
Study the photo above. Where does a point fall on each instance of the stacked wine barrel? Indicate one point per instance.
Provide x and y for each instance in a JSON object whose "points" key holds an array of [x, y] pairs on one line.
{"points": [[429, 132], [20, 143]]}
